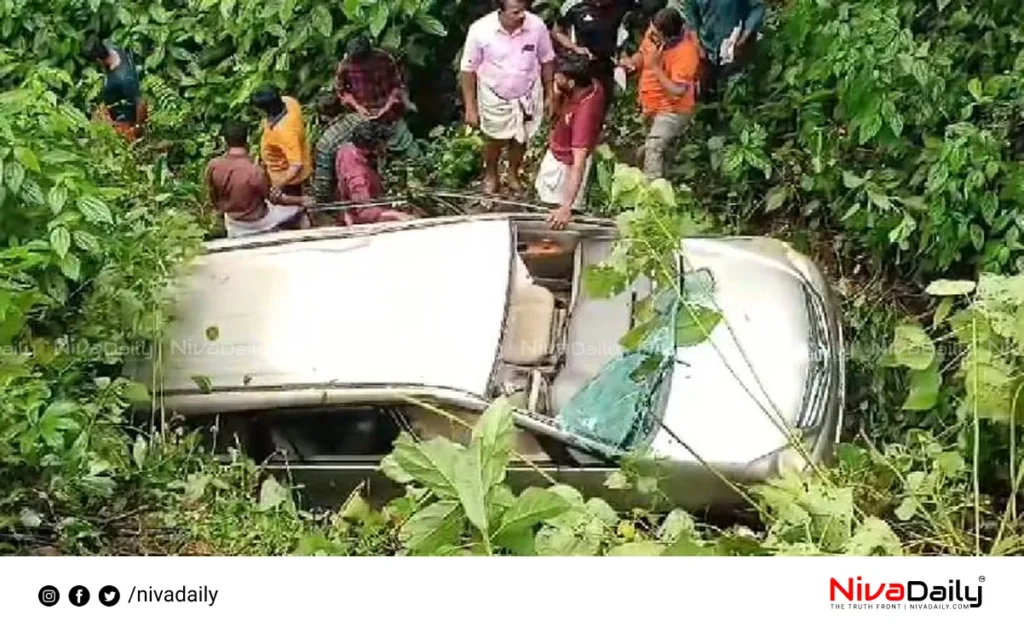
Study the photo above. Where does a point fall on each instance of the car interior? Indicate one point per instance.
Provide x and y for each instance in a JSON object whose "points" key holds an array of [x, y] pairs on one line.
{"points": [[556, 337]]}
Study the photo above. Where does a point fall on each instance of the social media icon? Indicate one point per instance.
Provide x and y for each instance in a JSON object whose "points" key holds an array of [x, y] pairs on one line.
{"points": [[109, 596], [79, 596], [49, 596]]}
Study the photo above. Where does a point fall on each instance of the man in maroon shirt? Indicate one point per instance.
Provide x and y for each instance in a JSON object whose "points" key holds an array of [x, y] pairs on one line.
{"points": [[241, 192], [563, 174], [357, 177]]}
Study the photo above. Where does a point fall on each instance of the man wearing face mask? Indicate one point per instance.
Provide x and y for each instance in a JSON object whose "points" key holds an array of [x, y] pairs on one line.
{"points": [[575, 131], [506, 75]]}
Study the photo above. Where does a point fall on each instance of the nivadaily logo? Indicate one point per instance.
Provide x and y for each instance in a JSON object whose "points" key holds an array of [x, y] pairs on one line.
{"points": [[911, 594]]}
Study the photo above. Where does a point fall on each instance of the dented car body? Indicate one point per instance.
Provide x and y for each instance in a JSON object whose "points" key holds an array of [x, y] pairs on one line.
{"points": [[312, 350]]}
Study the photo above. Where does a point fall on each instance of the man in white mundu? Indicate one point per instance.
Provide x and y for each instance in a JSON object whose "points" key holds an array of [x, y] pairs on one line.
{"points": [[506, 75]]}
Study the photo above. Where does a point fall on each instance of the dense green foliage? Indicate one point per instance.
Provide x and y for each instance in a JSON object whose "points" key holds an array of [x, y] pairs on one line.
{"points": [[884, 127], [897, 121]]}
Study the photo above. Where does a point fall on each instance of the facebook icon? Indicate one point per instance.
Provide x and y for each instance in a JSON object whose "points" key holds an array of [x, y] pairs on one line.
{"points": [[79, 595]]}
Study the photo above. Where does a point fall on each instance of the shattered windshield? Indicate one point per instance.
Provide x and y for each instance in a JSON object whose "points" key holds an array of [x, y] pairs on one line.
{"points": [[620, 408]]}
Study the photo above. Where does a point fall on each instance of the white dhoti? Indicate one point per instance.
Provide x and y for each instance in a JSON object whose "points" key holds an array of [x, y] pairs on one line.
{"points": [[553, 177], [504, 119], [276, 215]]}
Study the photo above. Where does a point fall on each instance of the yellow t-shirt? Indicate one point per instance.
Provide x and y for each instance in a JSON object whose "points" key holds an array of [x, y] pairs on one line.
{"points": [[285, 144]]}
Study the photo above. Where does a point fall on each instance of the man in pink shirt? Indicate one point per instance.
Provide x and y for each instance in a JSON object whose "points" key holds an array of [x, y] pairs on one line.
{"points": [[507, 70]]}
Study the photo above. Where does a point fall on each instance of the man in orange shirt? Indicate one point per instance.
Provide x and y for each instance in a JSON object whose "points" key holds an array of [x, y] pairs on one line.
{"points": [[668, 62], [284, 149]]}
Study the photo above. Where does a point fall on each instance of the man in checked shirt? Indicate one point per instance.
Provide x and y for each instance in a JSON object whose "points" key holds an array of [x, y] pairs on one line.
{"points": [[370, 83]]}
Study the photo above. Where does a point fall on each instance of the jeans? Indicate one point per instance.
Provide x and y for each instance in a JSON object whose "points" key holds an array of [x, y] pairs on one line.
{"points": [[665, 128]]}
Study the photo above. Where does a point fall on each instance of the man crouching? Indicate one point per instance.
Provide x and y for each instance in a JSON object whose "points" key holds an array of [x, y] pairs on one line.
{"points": [[563, 174], [241, 191]]}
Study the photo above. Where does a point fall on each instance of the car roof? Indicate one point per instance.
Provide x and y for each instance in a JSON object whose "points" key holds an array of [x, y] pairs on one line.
{"points": [[410, 304]]}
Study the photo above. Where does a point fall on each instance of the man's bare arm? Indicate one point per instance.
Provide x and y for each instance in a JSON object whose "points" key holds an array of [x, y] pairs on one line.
{"points": [[468, 81]]}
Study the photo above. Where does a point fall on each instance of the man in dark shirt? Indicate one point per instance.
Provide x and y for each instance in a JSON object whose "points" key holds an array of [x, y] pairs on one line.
{"points": [[241, 192], [592, 28], [370, 83], [122, 90]]}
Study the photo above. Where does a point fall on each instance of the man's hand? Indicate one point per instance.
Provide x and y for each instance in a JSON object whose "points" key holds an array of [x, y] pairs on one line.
{"points": [[583, 50], [472, 118], [628, 63], [658, 55], [307, 202], [559, 218]]}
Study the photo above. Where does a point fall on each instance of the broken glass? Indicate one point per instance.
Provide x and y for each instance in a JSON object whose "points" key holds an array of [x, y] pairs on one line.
{"points": [[619, 409]]}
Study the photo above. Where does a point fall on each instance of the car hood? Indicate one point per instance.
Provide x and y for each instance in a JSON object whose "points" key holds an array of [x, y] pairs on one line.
{"points": [[730, 393]]}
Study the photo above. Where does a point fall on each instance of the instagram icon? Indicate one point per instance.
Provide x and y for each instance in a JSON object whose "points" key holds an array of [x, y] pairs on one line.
{"points": [[49, 596]]}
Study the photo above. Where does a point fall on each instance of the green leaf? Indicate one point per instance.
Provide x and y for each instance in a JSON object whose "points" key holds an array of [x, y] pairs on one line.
{"points": [[389, 466], [912, 347], [495, 432], [686, 545], [60, 241], [950, 287], [676, 524], [203, 382], [776, 197], [14, 175], [617, 480], [351, 9], [663, 192], [874, 537], [212, 333], [878, 198], [907, 509], [379, 19], [643, 548], [56, 197], [950, 463], [431, 463], [870, 127], [533, 506], [136, 393], [924, 389], [71, 266], [694, 324], [95, 210], [942, 311], [471, 486], [322, 20], [27, 158], [272, 494], [625, 180], [601, 510], [195, 487], [434, 526], [87, 242], [632, 339], [430, 24], [355, 508], [974, 87]]}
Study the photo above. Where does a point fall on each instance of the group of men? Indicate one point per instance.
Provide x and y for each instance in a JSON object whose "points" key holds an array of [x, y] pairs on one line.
{"points": [[514, 70], [514, 73], [364, 113]]}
